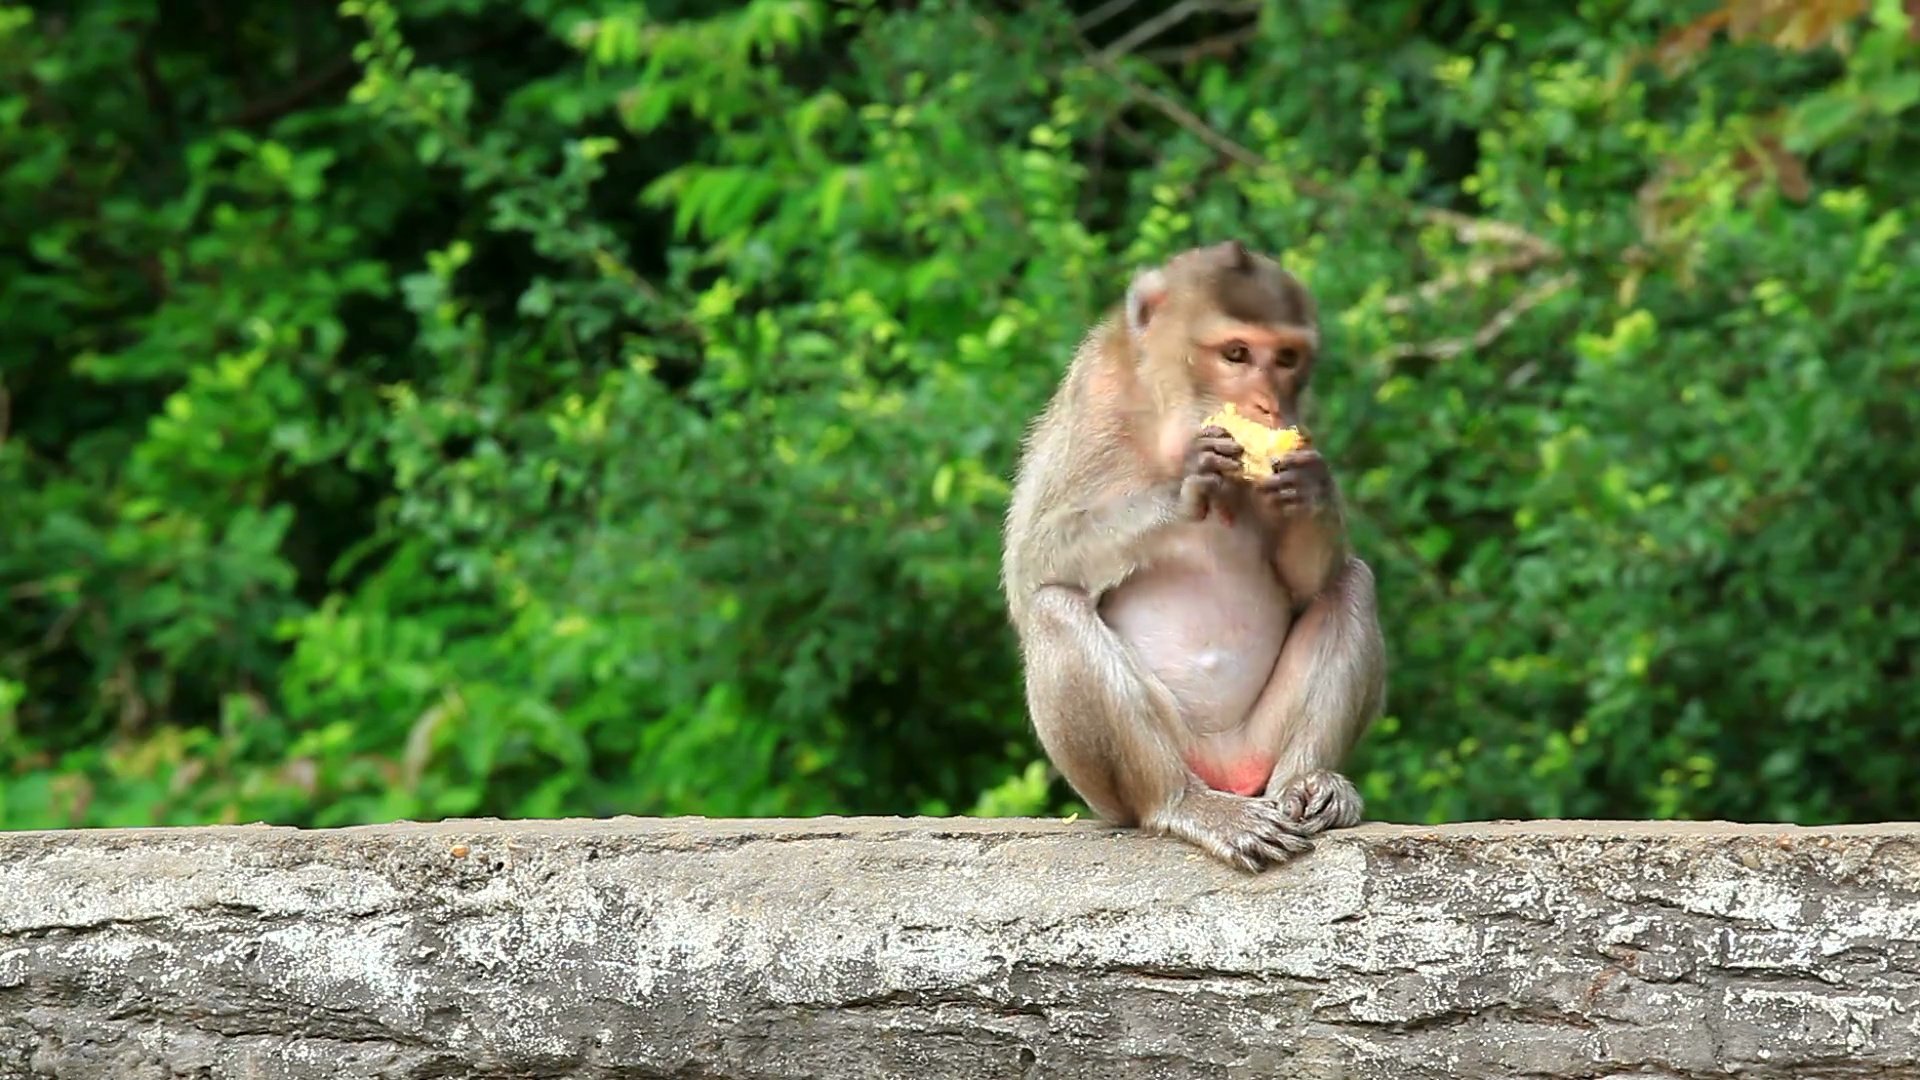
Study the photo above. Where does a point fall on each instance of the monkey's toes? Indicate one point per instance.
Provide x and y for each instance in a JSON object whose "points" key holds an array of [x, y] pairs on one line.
{"points": [[1254, 852], [1249, 833], [1269, 837], [1321, 800], [1307, 799]]}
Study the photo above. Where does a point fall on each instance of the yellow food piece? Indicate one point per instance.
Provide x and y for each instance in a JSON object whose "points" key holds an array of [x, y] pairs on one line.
{"points": [[1261, 443]]}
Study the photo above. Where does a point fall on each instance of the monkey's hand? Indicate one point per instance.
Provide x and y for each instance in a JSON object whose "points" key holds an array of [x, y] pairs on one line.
{"points": [[1319, 800], [1211, 459], [1301, 484]]}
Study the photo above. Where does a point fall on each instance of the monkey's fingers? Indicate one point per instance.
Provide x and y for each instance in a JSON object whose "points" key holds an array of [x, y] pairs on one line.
{"points": [[1197, 494], [1282, 489], [1216, 456], [1217, 462], [1295, 487]]}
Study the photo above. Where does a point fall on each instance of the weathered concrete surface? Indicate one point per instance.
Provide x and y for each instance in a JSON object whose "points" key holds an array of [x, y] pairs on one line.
{"points": [[953, 948]]}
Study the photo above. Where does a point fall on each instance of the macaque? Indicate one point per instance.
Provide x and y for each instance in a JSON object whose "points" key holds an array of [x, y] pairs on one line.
{"points": [[1201, 648]]}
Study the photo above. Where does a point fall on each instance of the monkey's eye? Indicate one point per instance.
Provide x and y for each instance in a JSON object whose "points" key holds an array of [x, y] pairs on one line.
{"points": [[1288, 357], [1235, 353]]}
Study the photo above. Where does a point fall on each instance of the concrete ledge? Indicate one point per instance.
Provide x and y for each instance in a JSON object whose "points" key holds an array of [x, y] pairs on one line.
{"points": [[957, 948]]}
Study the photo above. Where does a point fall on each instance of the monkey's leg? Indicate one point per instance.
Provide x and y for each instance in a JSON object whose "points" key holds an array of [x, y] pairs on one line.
{"points": [[1114, 732], [1326, 690]]}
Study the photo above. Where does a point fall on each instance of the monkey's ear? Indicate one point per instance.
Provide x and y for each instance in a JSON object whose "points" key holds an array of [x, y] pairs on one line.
{"points": [[1238, 257], [1144, 296]]}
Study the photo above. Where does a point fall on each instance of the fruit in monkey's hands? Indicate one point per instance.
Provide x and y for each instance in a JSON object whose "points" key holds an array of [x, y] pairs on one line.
{"points": [[1262, 445]]}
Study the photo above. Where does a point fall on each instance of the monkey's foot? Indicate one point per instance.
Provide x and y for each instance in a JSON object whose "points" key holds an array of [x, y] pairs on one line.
{"points": [[1249, 833], [1319, 800]]}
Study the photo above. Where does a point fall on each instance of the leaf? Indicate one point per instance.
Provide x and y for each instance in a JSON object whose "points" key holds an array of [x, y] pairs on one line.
{"points": [[1820, 120]]}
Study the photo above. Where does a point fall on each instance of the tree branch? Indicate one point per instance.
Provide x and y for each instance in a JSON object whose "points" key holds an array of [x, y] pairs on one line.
{"points": [[1101, 15], [1218, 45], [1184, 117], [1168, 19], [1477, 272], [1467, 228], [337, 71], [1502, 321]]}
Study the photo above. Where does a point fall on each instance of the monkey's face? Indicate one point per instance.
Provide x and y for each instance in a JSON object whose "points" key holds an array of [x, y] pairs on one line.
{"points": [[1262, 367], [1246, 330]]}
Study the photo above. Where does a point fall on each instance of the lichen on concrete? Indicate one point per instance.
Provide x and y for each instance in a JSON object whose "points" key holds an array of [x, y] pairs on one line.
{"points": [[971, 949]]}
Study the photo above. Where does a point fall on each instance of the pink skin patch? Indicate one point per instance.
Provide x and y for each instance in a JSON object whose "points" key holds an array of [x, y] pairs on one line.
{"points": [[1245, 776]]}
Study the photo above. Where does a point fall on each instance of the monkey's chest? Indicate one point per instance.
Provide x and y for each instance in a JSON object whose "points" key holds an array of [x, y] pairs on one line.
{"points": [[1207, 616]]}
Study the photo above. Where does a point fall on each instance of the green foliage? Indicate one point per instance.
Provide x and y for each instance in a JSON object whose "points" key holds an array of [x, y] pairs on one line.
{"points": [[475, 407]]}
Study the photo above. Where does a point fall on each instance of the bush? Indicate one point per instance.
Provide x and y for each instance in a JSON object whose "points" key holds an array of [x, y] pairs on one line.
{"points": [[530, 409]]}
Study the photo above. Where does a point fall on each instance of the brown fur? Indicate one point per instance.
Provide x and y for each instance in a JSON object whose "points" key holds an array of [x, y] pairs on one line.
{"points": [[1160, 640]]}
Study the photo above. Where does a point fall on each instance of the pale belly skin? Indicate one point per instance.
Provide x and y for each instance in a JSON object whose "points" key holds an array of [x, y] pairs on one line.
{"points": [[1207, 616]]}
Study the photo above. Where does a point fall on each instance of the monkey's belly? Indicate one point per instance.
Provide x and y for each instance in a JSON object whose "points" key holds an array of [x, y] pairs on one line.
{"points": [[1207, 616]]}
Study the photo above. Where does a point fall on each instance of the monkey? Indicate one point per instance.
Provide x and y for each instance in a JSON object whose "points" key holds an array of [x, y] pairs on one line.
{"points": [[1199, 651]]}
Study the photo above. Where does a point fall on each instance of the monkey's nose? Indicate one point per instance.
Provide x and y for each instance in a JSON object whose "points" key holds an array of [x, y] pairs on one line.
{"points": [[1265, 412]]}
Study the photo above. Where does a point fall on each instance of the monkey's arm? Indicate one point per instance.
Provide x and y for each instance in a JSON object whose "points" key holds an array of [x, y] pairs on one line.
{"points": [[1311, 552], [1312, 546], [1330, 681], [1095, 540], [1098, 545]]}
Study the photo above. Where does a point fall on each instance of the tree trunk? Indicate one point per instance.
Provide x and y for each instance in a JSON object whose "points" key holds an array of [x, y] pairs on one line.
{"points": [[926, 949]]}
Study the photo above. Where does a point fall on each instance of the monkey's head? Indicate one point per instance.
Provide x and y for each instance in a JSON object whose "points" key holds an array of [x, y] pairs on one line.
{"points": [[1240, 328]]}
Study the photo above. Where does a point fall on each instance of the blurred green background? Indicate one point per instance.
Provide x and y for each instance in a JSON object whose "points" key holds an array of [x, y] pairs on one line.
{"points": [[563, 407]]}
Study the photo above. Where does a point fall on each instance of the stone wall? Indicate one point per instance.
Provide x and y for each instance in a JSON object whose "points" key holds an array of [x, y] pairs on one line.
{"points": [[928, 949]]}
